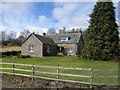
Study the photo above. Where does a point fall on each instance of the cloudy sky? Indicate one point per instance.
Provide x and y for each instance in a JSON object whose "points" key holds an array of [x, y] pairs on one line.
{"points": [[40, 16]]}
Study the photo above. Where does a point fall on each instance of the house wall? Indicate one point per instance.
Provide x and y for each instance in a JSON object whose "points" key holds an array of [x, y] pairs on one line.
{"points": [[76, 48], [53, 50], [71, 46], [37, 47], [80, 46]]}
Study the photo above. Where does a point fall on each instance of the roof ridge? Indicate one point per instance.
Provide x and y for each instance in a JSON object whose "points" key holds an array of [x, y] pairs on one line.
{"points": [[43, 36]]}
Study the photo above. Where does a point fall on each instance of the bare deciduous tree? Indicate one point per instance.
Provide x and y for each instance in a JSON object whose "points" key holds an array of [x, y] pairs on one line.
{"points": [[51, 31]]}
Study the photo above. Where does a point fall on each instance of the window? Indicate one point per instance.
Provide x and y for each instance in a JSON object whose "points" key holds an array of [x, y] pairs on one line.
{"points": [[31, 48], [64, 38], [48, 49], [69, 51]]}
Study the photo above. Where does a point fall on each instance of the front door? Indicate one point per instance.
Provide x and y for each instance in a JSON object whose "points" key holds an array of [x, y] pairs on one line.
{"points": [[65, 51]]}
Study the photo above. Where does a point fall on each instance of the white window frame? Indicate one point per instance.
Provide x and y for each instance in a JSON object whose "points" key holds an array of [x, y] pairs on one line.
{"points": [[64, 39]]}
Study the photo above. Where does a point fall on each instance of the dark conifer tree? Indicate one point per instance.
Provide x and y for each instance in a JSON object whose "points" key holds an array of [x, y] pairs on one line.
{"points": [[101, 38]]}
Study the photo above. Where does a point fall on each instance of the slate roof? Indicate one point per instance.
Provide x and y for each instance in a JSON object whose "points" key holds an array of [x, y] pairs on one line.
{"points": [[74, 38], [43, 39]]}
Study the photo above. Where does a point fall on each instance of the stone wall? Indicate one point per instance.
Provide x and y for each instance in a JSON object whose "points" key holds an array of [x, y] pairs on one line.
{"points": [[37, 47], [53, 50], [72, 46], [80, 46]]}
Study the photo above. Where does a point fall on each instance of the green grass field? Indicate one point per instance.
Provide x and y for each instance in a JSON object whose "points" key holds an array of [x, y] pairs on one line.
{"points": [[67, 62], [63, 61]]}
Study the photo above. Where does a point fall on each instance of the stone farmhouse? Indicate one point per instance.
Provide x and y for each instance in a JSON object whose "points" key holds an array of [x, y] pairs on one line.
{"points": [[51, 45]]}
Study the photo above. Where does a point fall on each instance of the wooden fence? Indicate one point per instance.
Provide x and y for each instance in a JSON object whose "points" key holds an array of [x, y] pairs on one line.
{"points": [[12, 67]]}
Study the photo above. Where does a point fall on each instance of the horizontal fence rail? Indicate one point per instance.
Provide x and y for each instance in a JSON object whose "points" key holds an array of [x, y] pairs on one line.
{"points": [[31, 71]]}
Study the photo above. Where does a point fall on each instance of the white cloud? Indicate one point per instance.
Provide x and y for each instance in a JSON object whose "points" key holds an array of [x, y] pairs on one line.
{"points": [[36, 29], [55, 0], [74, 0], [43, 19], [68, 14], [18, 16], [14, 7], [81, 0], [46, 22], [18, 0], [67, 9], [2, 28], [15, 15], [72, 14]]}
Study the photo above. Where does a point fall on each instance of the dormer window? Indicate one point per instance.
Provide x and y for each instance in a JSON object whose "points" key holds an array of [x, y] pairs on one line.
{"points": [[64, 38]]}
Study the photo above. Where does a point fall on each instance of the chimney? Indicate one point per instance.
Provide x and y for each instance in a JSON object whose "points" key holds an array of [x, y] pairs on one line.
{"points": [[44, 34]]}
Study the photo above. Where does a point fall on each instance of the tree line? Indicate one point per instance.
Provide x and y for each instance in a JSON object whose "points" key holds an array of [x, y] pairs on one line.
{"points": [[11, 38]]}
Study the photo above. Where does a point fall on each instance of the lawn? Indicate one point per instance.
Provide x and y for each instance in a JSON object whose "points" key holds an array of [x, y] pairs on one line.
{"points": [[63, 61], [68, 62]]}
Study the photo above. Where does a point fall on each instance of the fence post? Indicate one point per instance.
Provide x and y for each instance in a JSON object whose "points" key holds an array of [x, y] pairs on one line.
{"points": [[13, 66], [91, 77], [58, 72], [32, 72]]}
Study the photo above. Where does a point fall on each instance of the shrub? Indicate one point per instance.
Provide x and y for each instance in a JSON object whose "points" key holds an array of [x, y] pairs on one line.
{"points": [[10, 53], [25, 56]]}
